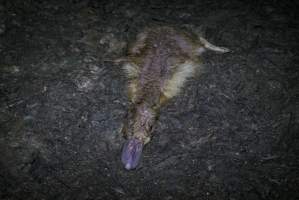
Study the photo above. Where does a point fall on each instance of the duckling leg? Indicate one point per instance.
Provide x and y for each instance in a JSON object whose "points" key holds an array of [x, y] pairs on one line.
{"points": [[139, 43], [208, 45]]}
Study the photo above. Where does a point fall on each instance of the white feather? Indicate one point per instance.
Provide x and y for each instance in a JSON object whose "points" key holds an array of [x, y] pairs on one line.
{"points": [[131, 70], [183, 72]]}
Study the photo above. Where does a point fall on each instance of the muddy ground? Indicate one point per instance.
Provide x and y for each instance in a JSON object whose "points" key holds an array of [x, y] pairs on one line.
{"points": [[231, 134]]}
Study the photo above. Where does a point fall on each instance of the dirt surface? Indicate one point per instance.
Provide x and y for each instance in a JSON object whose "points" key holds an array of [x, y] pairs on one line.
{"points": [[231, 134]]}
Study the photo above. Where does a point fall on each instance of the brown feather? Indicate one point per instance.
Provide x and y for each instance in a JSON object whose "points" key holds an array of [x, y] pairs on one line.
{"points": [[157, 66]]}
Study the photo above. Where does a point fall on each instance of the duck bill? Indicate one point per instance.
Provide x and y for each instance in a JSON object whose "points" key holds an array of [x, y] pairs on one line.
{"points": [[131, 153]]}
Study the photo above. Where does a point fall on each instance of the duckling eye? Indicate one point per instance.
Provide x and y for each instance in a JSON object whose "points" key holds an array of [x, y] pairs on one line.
{"points": [[149, 127]]}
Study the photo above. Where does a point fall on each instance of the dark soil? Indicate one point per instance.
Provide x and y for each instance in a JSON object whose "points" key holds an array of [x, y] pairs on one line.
{"points": [[231, 134]]}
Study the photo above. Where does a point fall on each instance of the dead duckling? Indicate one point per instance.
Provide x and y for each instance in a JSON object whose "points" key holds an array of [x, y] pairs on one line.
{"points": [[158, 64]]}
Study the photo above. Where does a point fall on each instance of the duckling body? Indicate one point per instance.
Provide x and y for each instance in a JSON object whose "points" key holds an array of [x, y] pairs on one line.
{"points": [[157, 65]]}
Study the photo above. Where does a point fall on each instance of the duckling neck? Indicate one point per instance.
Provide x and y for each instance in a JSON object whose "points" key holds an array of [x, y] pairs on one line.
{"points": [[145, 119]]}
